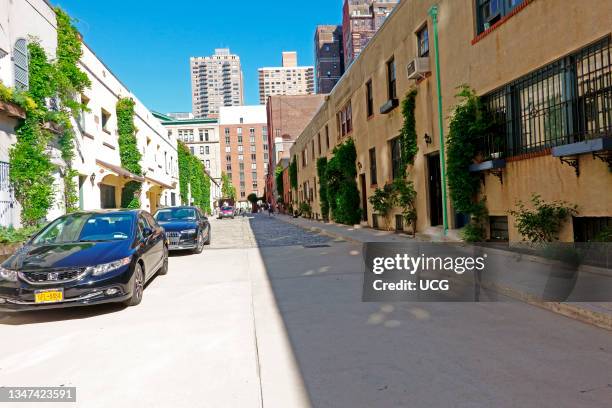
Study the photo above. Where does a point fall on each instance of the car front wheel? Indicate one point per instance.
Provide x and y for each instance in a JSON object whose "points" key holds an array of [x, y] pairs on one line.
{"points": [[199, 244], [137, 286], [164, 268]]}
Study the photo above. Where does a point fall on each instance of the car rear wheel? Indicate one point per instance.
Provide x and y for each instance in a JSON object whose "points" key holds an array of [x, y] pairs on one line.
{"points": [[137, 286], [164, 268]]}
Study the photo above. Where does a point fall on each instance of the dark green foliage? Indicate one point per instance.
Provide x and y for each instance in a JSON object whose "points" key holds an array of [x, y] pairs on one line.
{"points": [[406, 200], [42, 75], [543, 222], [193, 179], [278, 174], [469, 122], [383, 200], [128, 145], [227, 188], [252, 198], [130, 195], [70, 79], [323, 199], [10, 235], [305, 209], [128, 151], [408, 133], [31, 168], [31, 172], [400, 193], [342, 192], [293, 174]]}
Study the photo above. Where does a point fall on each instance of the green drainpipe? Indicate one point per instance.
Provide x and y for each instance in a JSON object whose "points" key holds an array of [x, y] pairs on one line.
{"points": [[433, 12]]}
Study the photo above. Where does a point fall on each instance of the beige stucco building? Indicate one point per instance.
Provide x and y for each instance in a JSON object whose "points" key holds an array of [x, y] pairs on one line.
{"points": [[530, 61]]}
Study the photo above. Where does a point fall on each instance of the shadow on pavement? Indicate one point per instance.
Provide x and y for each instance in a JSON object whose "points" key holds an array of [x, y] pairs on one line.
{"points": [[356, 354], [55, 315]]}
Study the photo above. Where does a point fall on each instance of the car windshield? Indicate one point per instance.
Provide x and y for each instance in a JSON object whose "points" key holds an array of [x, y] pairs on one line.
{"points": [[87, 228], [175, 214]]}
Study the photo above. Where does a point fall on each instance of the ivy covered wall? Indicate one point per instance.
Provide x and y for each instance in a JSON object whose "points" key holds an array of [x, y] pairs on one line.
{"points": [[194, 182]]}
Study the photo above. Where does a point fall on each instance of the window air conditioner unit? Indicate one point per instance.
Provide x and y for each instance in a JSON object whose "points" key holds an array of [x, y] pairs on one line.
{"points": [[417, 68]]}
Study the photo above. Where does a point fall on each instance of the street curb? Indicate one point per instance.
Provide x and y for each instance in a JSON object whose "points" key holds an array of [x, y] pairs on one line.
{"points": [[570, 310], [321, 231]]}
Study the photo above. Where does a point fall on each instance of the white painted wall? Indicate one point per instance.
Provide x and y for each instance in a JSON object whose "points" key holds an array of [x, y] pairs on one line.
{"points": [[159, 155], [36, 19], [230, 115], [28, 19]]}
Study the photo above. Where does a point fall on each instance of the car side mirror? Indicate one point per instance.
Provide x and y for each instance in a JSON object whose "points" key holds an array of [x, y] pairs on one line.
{"points": [[147, 232]]}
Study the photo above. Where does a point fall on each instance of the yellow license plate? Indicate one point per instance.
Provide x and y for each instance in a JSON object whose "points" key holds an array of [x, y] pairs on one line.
{"points": [[49, 296]]}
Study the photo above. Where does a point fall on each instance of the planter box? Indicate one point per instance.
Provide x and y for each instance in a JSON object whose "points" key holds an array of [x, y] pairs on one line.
{"points": [[6, 250]]}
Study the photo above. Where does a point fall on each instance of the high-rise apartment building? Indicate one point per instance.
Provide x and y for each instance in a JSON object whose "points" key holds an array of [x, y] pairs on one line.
{"points": [[215, 81], [244, 149], [361, 19], [290, 79], [329, 57]]}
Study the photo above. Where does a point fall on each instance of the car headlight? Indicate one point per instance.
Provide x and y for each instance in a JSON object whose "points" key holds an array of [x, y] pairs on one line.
{"points": [[97, 270], [188, 232], [8, 275]]}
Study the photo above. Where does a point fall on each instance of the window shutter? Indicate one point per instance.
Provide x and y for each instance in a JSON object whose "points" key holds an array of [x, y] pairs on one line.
{"points": [[20, 59]]}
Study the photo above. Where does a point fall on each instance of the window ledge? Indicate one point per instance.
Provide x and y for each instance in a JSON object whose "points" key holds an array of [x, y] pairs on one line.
{"points": [[588, 146], [488, 165], [389, 106], [13, 110], [505, 18]]}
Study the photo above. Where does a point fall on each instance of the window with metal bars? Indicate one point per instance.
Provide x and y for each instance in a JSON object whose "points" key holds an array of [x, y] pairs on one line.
{"points": [[567, 101]]}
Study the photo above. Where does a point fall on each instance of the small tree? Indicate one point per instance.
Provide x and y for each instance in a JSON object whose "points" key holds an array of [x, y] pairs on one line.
{"points": [[383, 201], [406, 199], [227, 188], [253, 199], [542, 224]]}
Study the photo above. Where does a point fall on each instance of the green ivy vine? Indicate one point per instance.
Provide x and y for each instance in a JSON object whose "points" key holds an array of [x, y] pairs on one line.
{"points": [[293, 173], [193, 179], [31, 173], [322, 173], [469, 122], [227, 188], [128, 151], [342, 192], [278, 174], [408, 135]]}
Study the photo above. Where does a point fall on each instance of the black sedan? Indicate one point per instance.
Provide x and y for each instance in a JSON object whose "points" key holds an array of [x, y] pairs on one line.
{"points": [[85, 258], [186, 228]]}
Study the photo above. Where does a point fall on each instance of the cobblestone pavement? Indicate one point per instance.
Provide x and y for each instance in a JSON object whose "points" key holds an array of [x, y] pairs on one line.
{"points": [[260, 230]]}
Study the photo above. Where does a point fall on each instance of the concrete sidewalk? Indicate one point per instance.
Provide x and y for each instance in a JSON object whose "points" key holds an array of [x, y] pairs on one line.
{"points": [[597, 314]]}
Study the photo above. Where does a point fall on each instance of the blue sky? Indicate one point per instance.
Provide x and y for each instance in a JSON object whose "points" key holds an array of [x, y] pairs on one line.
{"points": [[147, 44]]}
